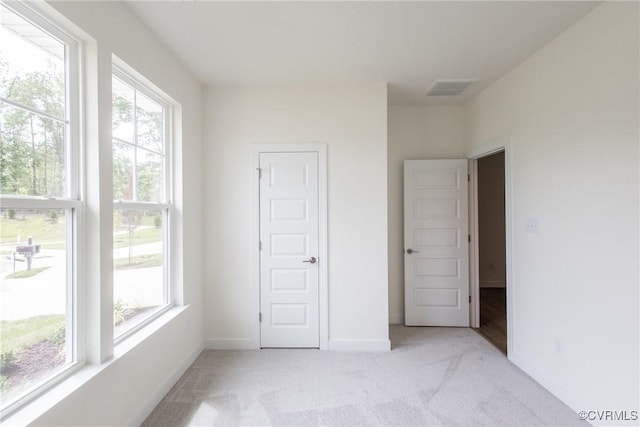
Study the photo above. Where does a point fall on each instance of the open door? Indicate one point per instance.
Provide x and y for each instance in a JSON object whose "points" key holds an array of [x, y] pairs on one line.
{"points": [[436, 243]]}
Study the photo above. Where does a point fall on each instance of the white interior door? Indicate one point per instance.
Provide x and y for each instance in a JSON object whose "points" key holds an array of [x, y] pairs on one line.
{"points": [[289, 244], [436, 259]]}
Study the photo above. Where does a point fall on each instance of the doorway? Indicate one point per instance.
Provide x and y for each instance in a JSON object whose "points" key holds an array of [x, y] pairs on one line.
{"points": [[491, 260]]}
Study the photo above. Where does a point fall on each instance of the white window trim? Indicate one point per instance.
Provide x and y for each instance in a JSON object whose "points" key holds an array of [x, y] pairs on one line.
{"points": [[94, 343], [71, 202], [132, 78]]}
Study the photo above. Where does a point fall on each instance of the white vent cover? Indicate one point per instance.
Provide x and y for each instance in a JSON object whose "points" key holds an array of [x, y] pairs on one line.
{"points": [[450, 87]]}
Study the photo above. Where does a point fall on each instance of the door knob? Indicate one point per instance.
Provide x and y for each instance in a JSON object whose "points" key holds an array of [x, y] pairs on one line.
{"points": [[411, 251], [311, 260]]}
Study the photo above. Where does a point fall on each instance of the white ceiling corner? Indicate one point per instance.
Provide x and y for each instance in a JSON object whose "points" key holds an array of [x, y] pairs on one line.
{"points": [[408, 44]]}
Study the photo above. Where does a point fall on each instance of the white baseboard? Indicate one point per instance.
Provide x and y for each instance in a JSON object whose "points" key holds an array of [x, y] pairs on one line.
{"points": [[334, 345], [359, 345], [551, 384], [161, 391], [396, 319], [230, 344]]}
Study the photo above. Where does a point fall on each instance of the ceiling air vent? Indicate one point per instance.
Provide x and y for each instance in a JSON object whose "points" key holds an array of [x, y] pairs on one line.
{"points": [[450, 87]]}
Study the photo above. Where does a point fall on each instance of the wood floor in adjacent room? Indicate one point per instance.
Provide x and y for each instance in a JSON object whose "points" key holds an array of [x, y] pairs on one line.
{"points": [[431, 377], [493, 317]]}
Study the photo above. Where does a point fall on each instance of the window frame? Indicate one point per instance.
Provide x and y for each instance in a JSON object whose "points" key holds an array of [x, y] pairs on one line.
{"points": [[135, 80], [71, 202]]}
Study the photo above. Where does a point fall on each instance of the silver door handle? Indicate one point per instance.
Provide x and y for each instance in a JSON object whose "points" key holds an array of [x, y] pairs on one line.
{"points": [[311, 260], [411, 251]]}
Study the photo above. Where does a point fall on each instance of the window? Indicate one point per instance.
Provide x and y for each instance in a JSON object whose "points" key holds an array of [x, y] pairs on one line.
{"points": [[41, 204], [141, 192]]}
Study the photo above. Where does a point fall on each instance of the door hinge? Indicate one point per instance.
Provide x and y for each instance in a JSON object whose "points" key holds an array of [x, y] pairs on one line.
{"points": [[259, 245], [260, 317], [259, 173], [469, 237], [469, 299], [468, 178]]}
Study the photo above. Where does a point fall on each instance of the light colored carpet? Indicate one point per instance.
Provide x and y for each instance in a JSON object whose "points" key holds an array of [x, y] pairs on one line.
{"points": [[432, 377]]}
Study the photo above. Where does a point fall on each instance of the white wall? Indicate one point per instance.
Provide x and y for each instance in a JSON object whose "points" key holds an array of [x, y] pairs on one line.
{"points": [[125, 389], [572, 110], [415, 132], [351, 120]]}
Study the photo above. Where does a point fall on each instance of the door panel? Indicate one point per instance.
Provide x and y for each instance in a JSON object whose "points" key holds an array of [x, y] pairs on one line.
{"points": [[436, 246], [289, 238]]}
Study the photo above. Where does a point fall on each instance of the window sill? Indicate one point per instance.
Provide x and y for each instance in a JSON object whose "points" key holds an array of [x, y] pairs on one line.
{"points": [[39, 406], [139, 336], [140, 326]]}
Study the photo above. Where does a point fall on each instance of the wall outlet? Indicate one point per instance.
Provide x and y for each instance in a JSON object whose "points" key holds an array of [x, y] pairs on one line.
{"points": [[532, 225]]}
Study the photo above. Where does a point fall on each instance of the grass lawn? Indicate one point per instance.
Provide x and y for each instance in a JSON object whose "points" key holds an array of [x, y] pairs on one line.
{"points": [[18, 334], [142, 261], [50, 235], [140, 237], [26, 273]]}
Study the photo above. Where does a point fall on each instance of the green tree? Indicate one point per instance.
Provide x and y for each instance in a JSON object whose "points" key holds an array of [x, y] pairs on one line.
{"points": [[32, 146], [147, 123], [122, 118]]}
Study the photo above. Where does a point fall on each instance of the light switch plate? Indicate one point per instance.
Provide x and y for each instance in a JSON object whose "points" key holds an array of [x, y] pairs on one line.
{"points": [[532, 225]]}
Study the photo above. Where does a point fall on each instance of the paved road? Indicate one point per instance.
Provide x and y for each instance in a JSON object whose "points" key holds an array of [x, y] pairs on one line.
{"points": [[41, 294], [147, 248], [45, 293]]}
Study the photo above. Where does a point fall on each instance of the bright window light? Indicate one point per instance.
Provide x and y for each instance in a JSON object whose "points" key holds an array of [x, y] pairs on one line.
{"points": [[41, 206], [141, 209]]}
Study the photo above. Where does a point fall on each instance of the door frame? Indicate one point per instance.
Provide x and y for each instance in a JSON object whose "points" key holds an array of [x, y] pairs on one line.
{"points": [[499, 144], [323, 258]]}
